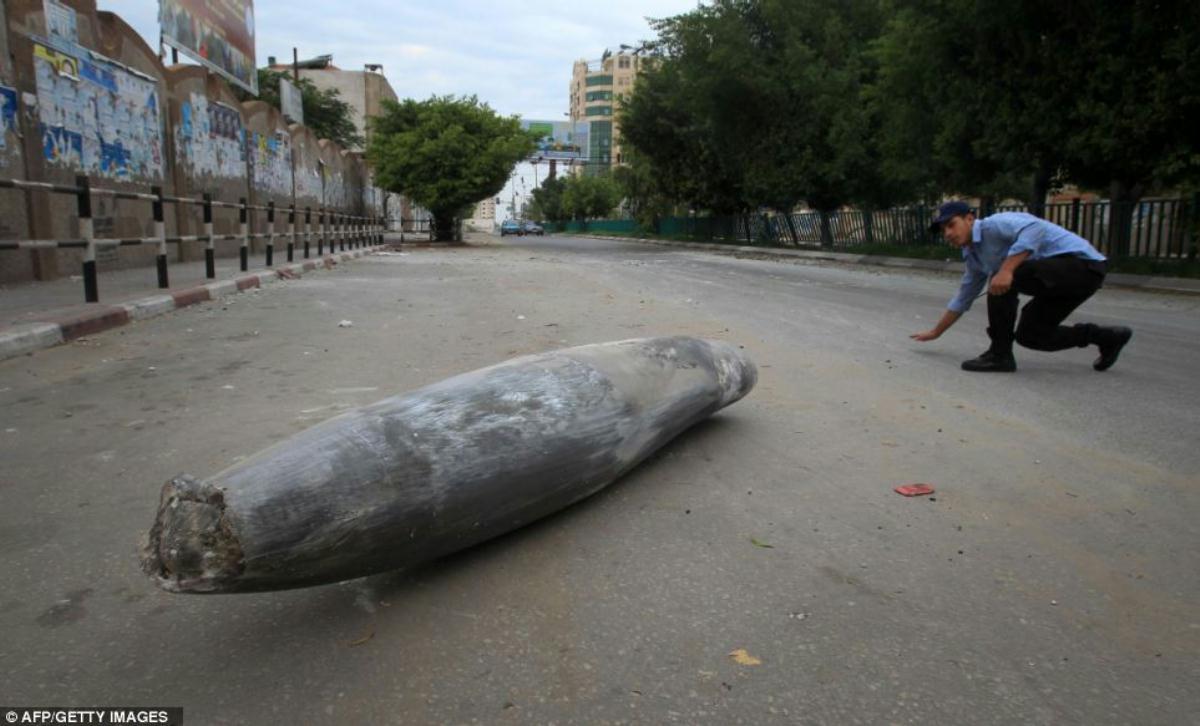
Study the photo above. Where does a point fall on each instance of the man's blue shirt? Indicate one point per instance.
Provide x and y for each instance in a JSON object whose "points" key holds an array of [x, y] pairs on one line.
{"points": [[1006, 234]]}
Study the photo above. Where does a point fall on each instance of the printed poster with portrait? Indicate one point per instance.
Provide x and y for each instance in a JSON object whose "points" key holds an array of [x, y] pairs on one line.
{"points": [[218, 34]]}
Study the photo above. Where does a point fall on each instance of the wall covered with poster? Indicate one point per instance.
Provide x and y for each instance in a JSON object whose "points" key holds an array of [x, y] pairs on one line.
{"points": [[269, 146], [13, 211], [96, 116], [210, 138], [333, 175], [82, 93], [306, 150]]}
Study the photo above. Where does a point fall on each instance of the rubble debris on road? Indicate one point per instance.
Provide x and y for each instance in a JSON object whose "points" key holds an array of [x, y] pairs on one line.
{"points": [[744, 658]]}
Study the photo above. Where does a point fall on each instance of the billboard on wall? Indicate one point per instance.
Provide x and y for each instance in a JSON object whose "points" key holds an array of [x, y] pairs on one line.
{"points": [[558, 139], [290, 102], [217, 33]]}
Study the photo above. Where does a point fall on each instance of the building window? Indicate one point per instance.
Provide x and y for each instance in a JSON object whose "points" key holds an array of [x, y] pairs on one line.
{"points": [[599, 80], [623, 62]]}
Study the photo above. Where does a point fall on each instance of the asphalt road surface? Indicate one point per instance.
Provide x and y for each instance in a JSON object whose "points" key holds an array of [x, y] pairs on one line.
{"points": [[759, 569]]}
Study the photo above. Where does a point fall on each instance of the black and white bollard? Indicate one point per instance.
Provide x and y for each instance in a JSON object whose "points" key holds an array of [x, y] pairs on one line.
{"points": [[91, 286]]}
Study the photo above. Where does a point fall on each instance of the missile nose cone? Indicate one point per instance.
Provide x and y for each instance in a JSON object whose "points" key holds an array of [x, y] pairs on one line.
{"points": [[736, 373]]}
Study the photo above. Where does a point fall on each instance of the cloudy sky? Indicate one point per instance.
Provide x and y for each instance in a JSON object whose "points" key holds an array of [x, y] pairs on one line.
{"points": [[514, 55]]}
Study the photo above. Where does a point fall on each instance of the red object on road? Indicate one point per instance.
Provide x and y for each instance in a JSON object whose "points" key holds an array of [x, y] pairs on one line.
{"points": [[914, 490]]}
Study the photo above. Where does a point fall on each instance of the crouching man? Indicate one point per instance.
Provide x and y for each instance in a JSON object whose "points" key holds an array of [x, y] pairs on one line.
{"points": [[1028, 255]]}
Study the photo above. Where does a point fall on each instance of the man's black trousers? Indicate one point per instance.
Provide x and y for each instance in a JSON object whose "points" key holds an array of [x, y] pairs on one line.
{"points": [[1058, 286]]}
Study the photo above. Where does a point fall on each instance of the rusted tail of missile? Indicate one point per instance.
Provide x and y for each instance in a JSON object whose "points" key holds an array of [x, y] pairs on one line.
{"points": [[191, 547]]}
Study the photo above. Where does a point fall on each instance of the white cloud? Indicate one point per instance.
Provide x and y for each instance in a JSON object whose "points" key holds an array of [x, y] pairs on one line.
{"points": [[514, 55]]}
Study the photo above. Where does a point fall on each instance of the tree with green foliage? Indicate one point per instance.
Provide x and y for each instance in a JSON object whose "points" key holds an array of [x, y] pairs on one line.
{"points": [[445, 153], [1024, 95], [547, 201], [325, 112], [754, 103], [1137, 101], [1029, 94], [590, 197], [642, 192], [671, 121], [931, 105]]}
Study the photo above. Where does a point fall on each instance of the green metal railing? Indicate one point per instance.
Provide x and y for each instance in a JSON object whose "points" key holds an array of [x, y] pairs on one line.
{"points": [[1162, 229]]}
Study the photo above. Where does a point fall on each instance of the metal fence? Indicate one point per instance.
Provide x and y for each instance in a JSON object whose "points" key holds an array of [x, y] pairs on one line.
{"points": [[1167, 229], [415, 227], [333, 227]]}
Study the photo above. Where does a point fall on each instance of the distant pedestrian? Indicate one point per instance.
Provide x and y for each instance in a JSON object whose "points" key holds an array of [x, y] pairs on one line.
{"points": [[1027, 255]]}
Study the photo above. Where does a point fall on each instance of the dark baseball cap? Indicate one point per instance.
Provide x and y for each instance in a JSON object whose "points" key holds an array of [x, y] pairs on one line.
{"points": [[946, 212]]}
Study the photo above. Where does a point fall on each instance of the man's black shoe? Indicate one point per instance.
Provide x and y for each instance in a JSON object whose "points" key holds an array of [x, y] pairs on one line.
{"points": [[1112, 340], [991, 362]]}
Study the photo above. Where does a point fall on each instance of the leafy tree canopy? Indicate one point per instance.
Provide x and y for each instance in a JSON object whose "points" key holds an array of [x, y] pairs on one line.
{"points": [[588, 197], [755, 103], [325, 112], [644, 195], [445, 153], [766, 103], [547, 201]]}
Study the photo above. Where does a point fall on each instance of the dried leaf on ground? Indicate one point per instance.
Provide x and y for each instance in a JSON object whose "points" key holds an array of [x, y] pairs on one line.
{"points": [[362, 640], [744, 658]]}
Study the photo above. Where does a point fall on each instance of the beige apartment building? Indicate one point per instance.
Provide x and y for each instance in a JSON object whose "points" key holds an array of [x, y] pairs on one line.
{"points": [[484, 216], [597, 88], [364, 90]]}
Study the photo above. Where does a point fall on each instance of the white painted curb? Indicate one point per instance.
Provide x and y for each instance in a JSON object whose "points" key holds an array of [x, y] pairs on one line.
{"points": [[26, 338], [149, 307]]}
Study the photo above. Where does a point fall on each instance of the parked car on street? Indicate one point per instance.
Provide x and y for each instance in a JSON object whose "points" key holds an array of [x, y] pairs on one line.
{"points": [[528, 227], [511, 226]]}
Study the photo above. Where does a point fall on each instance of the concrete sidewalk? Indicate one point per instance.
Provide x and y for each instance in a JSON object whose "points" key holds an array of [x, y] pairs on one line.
{"points": [[43, 314], [951, 265]]}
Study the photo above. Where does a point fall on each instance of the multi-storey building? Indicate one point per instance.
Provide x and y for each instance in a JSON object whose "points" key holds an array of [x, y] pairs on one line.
{"points": [[484, 216], [597, 89]]}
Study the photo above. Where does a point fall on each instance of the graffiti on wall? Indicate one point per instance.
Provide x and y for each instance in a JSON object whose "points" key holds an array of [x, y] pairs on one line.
{"points": [[271, 157], [8, 115], [308, 182], [373, 199], [97, 117], [337, 194], [210, 138]]}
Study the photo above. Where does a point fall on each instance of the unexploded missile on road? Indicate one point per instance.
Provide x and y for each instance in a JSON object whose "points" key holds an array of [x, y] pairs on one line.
{"points": [[427, 473]]}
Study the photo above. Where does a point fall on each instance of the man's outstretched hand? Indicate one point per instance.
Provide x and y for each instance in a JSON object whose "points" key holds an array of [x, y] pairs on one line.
{"points": [[926, 336]]}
